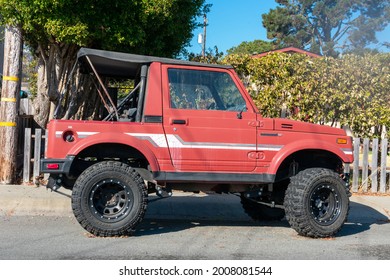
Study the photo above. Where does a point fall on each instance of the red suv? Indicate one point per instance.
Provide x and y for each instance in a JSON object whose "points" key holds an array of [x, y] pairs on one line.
{"points": [[193, 127]]}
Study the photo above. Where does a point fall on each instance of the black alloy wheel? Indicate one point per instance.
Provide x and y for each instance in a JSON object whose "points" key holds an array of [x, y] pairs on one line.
{"points": [[316, 202], [109, 199]]}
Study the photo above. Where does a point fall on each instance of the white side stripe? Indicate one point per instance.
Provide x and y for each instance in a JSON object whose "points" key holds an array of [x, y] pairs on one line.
{"points": [[175, 141]]}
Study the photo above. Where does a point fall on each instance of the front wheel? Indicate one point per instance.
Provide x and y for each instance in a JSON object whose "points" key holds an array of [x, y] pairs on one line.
{"points": [[109, 199], [316, 203]]}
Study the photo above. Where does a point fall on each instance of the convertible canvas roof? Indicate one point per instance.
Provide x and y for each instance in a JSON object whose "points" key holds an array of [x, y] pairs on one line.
{"points": [[117, 64]]}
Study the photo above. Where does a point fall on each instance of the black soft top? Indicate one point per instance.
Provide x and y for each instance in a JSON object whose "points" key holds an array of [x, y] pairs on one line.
{"points": [[117, 64]]}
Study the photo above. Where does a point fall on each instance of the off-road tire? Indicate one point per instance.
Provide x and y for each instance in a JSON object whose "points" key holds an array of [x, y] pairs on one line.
{"points": [[261, 212], [109, 199], [316, 203]]}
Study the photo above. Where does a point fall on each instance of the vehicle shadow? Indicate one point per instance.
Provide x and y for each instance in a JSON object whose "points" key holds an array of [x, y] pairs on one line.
{"points": [[186, 211], [181, 213], [361, 217], [165, 226]]}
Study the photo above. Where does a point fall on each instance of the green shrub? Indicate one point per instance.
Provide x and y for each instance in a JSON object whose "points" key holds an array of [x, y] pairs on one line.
{"points": [[353, 90]]}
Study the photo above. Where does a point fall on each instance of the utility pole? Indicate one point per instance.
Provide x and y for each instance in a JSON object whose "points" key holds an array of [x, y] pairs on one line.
{"points": [[204, 35], [9, 101]]}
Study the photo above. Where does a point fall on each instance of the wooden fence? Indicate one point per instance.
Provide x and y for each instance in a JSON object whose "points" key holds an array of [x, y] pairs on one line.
{"points": [[370, 170], [371, 166], [34, 147], [24, 121]]}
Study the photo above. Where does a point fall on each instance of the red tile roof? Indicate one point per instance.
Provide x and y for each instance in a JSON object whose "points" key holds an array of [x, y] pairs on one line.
{"points": [[287, 50]]}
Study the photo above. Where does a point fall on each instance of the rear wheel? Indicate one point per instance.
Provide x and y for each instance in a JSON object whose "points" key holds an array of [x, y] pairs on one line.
{"points": [[109, 199], [316, 202]]}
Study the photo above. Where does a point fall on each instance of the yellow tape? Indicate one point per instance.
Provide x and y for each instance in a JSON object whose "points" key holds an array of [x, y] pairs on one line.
{"points": [[7, 123], [8, 99], [10, 78]]}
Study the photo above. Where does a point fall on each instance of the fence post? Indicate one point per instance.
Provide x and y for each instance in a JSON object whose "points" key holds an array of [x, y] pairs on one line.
{"points": [[366, 143], [37, 151], [382, 184], [27, 155], [355, 177], [374, 165]]}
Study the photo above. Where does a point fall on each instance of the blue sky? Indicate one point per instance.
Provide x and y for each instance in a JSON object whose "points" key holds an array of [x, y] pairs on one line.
{"points": [[234, 21]]}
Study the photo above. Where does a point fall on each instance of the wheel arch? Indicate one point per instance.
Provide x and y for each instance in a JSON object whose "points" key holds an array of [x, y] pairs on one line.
{"points": [[290, 164], [114, 150]]}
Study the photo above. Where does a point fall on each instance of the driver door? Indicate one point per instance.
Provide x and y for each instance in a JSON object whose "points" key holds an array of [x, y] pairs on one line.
{"points": [[206, 120]]}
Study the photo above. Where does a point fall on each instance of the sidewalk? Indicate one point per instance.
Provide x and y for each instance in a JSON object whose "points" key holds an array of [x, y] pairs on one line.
{"points": [[31, 200]]}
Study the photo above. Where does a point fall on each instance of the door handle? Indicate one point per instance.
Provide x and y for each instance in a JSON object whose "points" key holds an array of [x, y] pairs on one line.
{"points": [[179, 122]]}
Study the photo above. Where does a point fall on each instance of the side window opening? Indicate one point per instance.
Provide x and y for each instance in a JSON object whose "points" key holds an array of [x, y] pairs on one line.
{"points": [[124, 93], [129, 95], [204, 90], [127, 92]]}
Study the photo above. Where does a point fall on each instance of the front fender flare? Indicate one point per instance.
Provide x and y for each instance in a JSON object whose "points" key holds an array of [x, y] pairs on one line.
{"points": [[302, 145]]}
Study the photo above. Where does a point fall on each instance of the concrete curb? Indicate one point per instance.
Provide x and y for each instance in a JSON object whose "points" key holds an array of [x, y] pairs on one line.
{"points": [[30, 200]]}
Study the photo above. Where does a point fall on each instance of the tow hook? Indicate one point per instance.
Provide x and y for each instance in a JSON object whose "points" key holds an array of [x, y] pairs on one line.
{"points": [[163, 192], [253, 193], [346, 178], [255, 196], [53, 183]]}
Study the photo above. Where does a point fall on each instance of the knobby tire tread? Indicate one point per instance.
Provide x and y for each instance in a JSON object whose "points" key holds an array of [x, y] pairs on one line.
{"points": [[297, 213], [127, 174]]}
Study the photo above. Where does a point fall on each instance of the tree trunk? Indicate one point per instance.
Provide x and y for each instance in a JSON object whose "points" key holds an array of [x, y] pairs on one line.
{"points": [[13, 48], [55, 64], [41, 103]]}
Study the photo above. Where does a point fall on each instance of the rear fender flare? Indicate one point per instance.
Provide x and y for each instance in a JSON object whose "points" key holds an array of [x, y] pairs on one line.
{"points": [[117, 138]]}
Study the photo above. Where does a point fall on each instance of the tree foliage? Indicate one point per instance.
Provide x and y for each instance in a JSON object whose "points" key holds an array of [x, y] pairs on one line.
{"points": [[352, 90], [326, 26], [212, 56], [55, 29], [158, 27], [252, 47]]}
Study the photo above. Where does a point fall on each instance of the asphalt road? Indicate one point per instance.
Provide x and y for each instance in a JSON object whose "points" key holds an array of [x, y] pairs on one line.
{"points": [[196, 227]]}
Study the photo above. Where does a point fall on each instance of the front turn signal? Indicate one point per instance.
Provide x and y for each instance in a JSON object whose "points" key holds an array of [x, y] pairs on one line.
{"points": [[342, 141]]}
